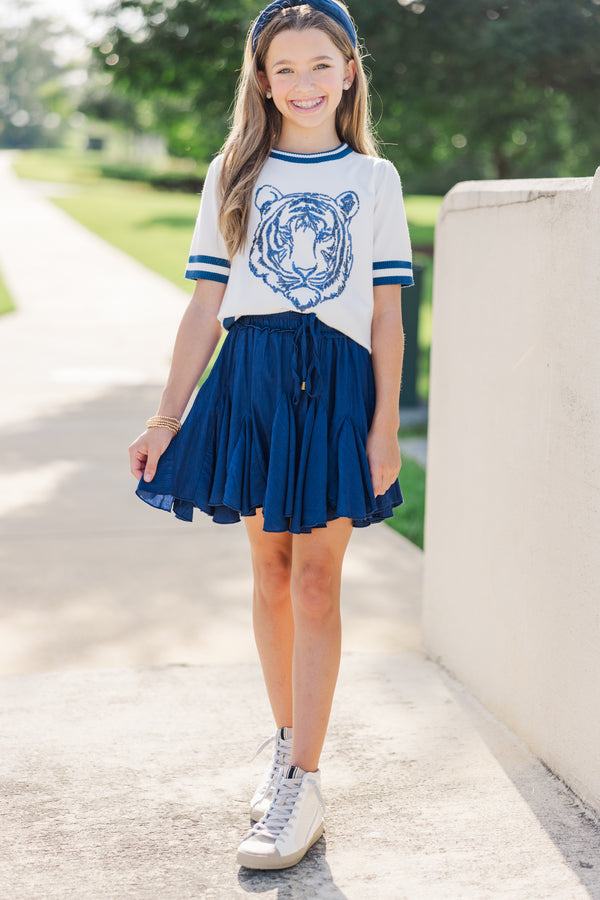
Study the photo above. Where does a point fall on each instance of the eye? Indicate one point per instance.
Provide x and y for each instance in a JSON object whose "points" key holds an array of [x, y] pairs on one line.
{"points": [[323, 66], [283, 71]]}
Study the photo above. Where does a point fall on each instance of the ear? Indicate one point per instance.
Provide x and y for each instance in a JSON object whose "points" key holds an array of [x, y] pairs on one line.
{"points": [[350, 71], [264, 81]]}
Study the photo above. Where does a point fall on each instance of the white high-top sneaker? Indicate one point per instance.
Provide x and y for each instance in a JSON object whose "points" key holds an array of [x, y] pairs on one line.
{"points": [[290, 826], [281, 759]]}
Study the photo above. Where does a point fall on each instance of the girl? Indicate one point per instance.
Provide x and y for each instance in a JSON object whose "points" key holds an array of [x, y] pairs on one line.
{"points": [[300, 250]]}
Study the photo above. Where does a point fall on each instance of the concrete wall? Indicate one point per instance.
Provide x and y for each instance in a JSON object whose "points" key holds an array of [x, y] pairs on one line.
{"points": [[512, 545]]}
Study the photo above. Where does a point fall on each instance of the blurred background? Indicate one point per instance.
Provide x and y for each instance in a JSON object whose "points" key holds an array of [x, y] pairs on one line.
{"points": [[118, 108], [461, 88]]}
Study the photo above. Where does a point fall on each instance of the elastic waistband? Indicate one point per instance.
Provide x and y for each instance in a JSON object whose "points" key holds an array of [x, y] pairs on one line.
{"points": [[288, 321]]}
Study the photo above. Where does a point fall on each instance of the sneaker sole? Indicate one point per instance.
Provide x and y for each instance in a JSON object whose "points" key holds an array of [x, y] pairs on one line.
{"points": [[252, 861]]}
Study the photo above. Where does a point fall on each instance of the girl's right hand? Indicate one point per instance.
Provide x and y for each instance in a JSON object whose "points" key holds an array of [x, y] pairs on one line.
{"points": [[146, 450]]}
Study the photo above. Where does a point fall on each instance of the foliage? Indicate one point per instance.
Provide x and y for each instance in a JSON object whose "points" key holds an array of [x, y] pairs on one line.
{"points": [[422, 213], [180, 64], [487, 89], [462, 88], [34, 99]]}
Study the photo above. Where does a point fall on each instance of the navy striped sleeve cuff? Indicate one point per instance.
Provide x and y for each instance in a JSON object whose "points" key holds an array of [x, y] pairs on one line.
{"points": [[393, 271], [211, 268]]}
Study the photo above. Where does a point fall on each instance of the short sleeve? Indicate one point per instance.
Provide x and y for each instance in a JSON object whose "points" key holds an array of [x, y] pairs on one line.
{"points": [[208, 254], [392, 255]]}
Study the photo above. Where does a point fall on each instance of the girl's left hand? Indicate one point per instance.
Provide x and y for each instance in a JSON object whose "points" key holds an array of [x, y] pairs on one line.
{"points": [[384, 458]]}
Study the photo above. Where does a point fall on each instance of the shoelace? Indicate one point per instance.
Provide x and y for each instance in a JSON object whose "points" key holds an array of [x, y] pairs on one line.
{"points": [[278, 763], [278, 756], [263, 746], [278, 815]]}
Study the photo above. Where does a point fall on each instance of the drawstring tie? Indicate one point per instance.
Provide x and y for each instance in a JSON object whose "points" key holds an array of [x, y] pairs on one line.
{"points": [[305, 358]]}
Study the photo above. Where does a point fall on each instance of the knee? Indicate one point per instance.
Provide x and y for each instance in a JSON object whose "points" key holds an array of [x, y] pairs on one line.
{"points": [[315, 591], [272, 578]]}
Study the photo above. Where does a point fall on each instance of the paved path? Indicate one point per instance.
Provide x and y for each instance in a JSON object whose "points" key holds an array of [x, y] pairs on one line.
{"points": [[135, 784], [131, 698]]}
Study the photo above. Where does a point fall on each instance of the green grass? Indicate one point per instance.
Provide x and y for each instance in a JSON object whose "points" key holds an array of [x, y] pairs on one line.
{"points": [[61, 166], [425, 322], [422, 212], [409, 519], [6, 304], [155, 227]]}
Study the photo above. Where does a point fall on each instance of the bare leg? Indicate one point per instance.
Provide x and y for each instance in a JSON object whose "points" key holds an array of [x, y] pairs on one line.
{"points": [[272, 614], [315, 589]]}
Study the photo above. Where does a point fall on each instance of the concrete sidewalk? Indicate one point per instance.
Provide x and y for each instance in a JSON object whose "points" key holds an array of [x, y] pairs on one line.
{"points": [[135, 783], [131, 694]]}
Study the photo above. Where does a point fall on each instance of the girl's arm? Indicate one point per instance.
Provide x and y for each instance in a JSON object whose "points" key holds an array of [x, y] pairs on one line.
{"points": [[197, 337], [387, 352]]}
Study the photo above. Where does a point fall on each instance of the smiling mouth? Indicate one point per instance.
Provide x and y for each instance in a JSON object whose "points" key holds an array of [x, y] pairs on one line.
{"points": [[308, 104]]}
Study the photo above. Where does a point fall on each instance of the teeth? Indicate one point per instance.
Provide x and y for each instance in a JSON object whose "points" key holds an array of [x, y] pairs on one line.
{"points": [[307, 104]]}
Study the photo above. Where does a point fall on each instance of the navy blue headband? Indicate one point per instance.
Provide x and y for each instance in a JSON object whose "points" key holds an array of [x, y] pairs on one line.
{"points": [[331, 9]]}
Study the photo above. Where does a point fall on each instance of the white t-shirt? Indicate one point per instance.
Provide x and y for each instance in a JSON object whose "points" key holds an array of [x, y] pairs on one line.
{"points": [[324, 229]]}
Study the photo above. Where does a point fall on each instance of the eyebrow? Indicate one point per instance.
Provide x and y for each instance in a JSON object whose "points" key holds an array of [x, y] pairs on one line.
{"points": [[281, 62]]}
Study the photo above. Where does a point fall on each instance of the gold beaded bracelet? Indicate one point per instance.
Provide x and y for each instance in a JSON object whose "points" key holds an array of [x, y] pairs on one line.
{"points": [[173, 425]]}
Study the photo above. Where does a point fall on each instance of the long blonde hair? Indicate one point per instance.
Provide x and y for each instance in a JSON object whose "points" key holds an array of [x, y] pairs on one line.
{"points": [[257, 123]]}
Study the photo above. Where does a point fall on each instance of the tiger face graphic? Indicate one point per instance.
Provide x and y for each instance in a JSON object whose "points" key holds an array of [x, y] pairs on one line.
{"points": [[302, 247]]}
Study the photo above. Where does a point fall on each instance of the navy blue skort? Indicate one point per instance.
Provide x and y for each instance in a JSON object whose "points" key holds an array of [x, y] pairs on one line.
{"points": [[280, 424]]}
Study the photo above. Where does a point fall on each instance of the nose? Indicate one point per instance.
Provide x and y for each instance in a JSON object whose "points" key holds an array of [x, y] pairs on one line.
{"points": [[305, 80]]}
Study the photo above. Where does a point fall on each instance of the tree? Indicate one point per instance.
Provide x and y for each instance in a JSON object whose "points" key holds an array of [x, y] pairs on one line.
{"points": [[34, 100], [462, 88], [180, 63], [482, 89]]}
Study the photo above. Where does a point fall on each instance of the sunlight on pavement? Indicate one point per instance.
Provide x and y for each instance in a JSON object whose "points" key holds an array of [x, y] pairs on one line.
{"points": [[98, 375], [34, 486]]}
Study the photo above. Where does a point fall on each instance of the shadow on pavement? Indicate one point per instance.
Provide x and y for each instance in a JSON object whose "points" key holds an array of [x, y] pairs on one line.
{"points": [[311, 877], [93, 577], [569, 824]]}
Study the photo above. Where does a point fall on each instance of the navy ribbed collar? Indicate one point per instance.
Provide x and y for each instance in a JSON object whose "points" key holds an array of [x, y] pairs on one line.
{"points": [[323, 156]]}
